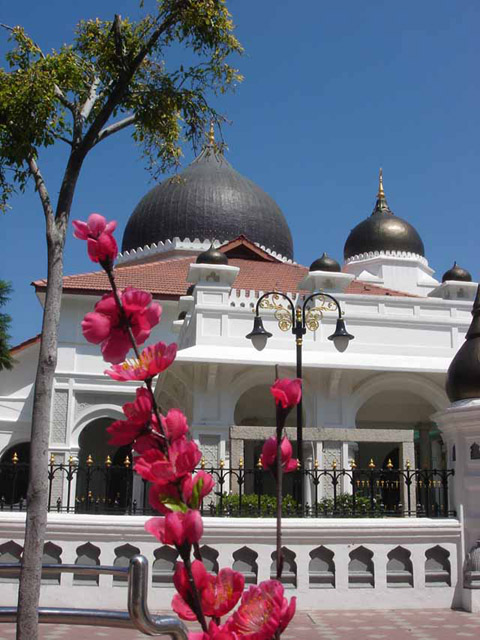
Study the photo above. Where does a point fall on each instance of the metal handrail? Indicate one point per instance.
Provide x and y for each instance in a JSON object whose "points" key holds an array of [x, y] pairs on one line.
{"points": [[137, 617]]}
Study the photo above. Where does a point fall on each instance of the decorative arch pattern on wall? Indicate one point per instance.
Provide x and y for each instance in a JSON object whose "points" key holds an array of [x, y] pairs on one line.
{"points": [[399, 568], [164, 566], [245, 561], [289, 573], [437, 567], [51, 555], [123, 554], [321, 569], [10, 553], [361, 571], [87, 555]]}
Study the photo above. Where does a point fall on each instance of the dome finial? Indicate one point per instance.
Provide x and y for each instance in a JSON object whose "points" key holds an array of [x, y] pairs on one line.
{"points": [[211, 134], [381, 192]]}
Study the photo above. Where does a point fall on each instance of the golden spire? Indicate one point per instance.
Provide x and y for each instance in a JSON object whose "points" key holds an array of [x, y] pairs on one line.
{"points": [[381, 192], [211, 134]]}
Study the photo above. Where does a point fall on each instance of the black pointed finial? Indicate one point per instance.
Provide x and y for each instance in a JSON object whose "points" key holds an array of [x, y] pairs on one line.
{"points": [[463, 376]]}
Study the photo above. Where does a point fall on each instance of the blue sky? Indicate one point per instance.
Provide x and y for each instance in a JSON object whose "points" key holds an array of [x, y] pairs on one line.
{"points": [[332, 91]]}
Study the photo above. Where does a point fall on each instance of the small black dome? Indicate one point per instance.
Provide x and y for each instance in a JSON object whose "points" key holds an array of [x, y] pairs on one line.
{"points": [[325, 263], [212, 256], [383, 231], [463, 376], [457, 273], [190, 290], [208, 200]]}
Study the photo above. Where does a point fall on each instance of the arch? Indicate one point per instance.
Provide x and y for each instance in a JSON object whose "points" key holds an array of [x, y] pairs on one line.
{"points": [[209, 558], [289, 573], [399, 568], [14, 477], [413, 383], [94, 485], [321, 569], [87, 555], [437, 567], [361, 571], [10, 553], [248, 379], [123, 554], [51, 555], [164, 566], [245, 561], [112, 411]]}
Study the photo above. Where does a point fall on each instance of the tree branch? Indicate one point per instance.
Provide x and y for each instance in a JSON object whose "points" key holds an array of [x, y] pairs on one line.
{"points": [[90, 101], [113, 128], [124, 79], [42, 189]]}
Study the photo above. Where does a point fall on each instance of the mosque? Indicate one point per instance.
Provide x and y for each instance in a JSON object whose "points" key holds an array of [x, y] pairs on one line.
{"points": [[207, 245]]}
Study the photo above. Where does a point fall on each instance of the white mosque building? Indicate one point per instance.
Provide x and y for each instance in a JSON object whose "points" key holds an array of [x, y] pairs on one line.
{"points": [[207, 246]]}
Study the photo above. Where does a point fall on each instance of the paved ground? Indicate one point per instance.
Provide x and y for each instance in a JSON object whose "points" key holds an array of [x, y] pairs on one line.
{"points": [[425, 624]]}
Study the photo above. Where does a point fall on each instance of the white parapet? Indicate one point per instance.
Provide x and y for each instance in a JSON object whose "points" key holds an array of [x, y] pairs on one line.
{"points": [[387, 563]]}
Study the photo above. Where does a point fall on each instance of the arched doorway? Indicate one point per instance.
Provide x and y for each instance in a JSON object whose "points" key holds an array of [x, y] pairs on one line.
{"points": [[256, 408], [399, 409], [104, 476], [14, 464]]}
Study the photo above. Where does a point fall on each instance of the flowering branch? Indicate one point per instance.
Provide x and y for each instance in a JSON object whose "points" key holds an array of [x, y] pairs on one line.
{"points": [[167, 459]]}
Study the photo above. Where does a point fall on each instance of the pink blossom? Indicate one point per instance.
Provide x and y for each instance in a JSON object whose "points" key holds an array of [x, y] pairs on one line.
{"points": [[269, 454], [106, 325], [222, 592], [154, 466], [161, 495], [177, 528], [174, 424], [101, 244], [194, 489], [182, 582], [214, 633], [287, 392], [153, 360], [139, 416]]}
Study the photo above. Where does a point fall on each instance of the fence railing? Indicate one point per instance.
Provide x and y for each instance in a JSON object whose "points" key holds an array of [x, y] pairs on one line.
{"points": [[242, 492], [138, 616]]}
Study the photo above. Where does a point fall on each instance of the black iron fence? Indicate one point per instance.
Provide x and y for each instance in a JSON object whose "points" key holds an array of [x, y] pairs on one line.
{"points": [[241, 492]]}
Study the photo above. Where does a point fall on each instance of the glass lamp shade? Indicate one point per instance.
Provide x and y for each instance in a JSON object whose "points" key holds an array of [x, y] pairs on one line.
{"points": [[341, 337], [258, 335]]}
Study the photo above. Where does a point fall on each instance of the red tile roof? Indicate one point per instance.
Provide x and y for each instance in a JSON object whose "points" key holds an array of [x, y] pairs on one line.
{"points": [[168, 278], [25, 344]]}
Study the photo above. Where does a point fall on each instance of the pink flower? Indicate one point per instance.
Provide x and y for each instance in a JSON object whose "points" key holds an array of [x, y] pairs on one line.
{"points": [[106, 325], [287, 392], [174, 424], [153, 360], [222, 592], [139, 416], [101, 244], [269, 454], [182, 582], [262, 612], [154, 466], [214, 633], [177, 528], [160, 496], [194, 489], [218, 594]]}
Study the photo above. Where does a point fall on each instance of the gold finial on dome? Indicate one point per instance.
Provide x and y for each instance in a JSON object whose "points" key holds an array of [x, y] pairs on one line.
{"points": [[381, 192], [211, 134]]}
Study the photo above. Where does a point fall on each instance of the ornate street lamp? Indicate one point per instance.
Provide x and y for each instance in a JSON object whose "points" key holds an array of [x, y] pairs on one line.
{"points": [[299, 319]]}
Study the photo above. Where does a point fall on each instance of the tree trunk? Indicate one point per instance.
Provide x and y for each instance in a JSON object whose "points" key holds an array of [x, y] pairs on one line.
{"points": [[37, 496]]}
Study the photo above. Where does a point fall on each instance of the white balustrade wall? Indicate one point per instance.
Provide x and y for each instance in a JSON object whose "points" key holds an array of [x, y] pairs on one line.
{"points": [[357, 563]]}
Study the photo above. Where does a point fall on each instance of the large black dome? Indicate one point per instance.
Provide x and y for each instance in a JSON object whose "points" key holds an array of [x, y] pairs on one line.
{"points": [[383, 231], [208, 200]]}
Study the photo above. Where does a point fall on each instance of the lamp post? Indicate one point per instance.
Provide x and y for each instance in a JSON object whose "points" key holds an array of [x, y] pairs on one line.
{"points": [[299, 318]]}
